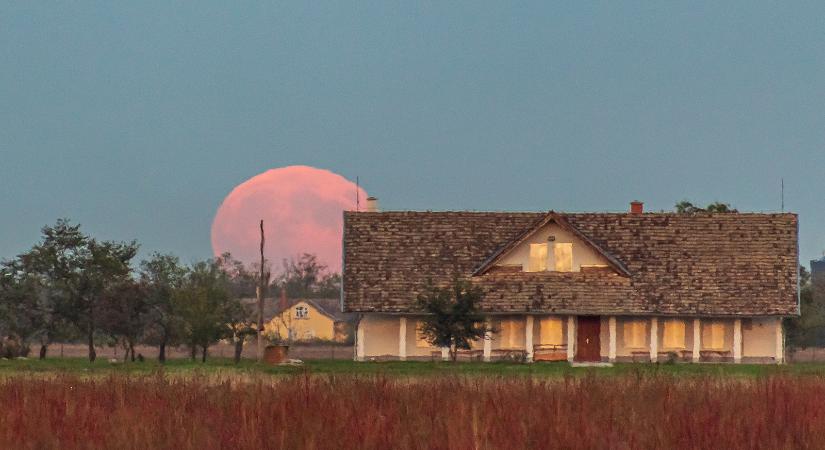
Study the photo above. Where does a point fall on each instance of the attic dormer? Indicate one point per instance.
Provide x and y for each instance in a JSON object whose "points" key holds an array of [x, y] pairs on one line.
{"points": [[552, 249], [553, 244]]}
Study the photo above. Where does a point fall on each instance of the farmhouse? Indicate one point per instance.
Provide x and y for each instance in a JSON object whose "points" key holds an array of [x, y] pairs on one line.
{"points": [[629, 286], [309, 319]]}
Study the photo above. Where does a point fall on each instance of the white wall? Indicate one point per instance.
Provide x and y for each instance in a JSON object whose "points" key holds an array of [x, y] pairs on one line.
{"points": [[759, 337], [381, 334]]}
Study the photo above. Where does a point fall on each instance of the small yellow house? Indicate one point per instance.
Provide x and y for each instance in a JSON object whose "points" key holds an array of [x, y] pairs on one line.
{"points": [[310, 319]]}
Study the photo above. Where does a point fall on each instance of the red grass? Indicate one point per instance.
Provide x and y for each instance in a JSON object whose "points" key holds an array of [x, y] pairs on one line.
{"points": [[346, 412]]}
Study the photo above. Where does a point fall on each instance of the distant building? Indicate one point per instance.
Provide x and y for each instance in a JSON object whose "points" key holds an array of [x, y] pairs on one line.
{"points": [[310, 319], [818, 268]]}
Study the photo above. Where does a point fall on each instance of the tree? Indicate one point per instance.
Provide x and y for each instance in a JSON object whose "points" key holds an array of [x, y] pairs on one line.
{"points": [[453, 318], [686, 207], [808, 330], [240, 317], [306, 277], [124, 314], [103, 266], [162, 275], [54, 266], [203, 305]]}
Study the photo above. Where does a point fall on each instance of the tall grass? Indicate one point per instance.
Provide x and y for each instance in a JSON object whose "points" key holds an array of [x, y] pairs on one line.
{"points": [[375, 412]]}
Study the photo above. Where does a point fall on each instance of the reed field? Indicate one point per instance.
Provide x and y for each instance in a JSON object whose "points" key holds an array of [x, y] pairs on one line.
{"points": [[633, 407]]}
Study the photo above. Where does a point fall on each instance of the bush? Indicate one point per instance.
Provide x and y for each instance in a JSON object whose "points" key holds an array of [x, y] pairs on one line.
{"points": [[13, 347]]}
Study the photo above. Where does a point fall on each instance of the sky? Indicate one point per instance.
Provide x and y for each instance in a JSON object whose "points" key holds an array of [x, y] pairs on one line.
{"points": [[136, 119]]}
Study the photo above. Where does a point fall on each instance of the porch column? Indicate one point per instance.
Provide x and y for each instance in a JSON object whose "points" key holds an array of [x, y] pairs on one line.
{"points": [[697, 339], [654, 339], [528, 337], [611, 348], [359, 340], [737, 340], [402, 338], [780, 343], [488, 339], [571, 338]]}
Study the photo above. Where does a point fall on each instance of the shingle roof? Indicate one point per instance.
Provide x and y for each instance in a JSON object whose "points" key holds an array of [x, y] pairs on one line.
{"points": [[698, 264], [330, 307]]}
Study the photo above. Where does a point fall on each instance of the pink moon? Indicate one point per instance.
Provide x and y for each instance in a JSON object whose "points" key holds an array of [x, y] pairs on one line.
{"points": [[302, 209]]}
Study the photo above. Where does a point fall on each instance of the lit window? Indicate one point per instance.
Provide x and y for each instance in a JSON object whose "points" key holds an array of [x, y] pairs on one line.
{"points": [[674, 334], [551, 331], [301, 312], [508, 333], [538, 258], [563, 255], [634, 333], [713, 336], [420, 338]]}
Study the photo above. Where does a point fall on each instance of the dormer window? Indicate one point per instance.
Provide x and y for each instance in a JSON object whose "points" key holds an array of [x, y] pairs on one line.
{"points": [[538, 258]]}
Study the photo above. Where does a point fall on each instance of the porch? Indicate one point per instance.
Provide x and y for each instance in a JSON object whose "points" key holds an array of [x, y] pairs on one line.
{"points": [[543, 337]]}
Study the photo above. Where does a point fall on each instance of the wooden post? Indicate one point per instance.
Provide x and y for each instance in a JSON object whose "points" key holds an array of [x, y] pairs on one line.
{"points": [[697, 340], [571, 338], [737, 340], [528, 338], [263, 281], [359, 340], [488, 339], [402, 338], [654, 339], [780, 343], [611, 349]]}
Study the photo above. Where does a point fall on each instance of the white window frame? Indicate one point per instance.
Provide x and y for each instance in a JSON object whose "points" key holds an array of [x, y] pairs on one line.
{"points": [[301, 312]]}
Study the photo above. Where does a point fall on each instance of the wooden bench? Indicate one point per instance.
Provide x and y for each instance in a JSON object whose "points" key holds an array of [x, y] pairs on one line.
{"points": [[640, 355], [472, 355], [715, 354], [550, 352], [510, 354]]}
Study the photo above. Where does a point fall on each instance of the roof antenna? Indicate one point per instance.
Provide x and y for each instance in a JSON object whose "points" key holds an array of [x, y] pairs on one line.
{"points": [[782, 193], [357, 197]]}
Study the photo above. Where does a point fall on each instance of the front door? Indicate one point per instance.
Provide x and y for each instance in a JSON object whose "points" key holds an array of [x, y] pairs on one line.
{"points": [[588, 347]]}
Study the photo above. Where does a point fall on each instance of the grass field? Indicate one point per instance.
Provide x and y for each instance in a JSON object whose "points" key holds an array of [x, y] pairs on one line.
{"points": [[69, 403], [81, 366]]}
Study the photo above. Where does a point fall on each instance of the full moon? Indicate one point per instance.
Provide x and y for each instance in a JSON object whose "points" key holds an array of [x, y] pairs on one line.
{"points": [[301, 207]]}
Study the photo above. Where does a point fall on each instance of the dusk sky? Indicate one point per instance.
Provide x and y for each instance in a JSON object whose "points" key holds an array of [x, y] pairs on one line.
{"points": [[137, 119]]}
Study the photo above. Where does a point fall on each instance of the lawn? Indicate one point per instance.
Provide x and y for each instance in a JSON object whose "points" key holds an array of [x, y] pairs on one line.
{"points": [[81, 366]]}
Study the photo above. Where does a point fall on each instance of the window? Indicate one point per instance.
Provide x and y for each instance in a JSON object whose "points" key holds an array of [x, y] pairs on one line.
{"points": [[509, 338], [301, 312], [563, 255], [674, 334], [634, 333], [713, 335], [420, 339], [538, 258], [551, 331]]}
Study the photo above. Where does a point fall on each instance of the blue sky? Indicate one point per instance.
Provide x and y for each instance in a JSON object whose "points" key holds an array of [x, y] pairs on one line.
{"points": [[136, 119]]}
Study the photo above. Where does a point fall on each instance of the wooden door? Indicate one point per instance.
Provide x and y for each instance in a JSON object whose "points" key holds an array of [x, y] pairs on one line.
{"points": [[588, 347]]}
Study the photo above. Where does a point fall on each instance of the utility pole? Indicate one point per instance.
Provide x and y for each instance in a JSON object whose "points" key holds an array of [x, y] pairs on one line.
{"points": [[263, 282]]}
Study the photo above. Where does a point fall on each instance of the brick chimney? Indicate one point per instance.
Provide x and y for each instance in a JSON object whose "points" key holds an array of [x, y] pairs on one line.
{"points": [[637, 207], [372, 204]]}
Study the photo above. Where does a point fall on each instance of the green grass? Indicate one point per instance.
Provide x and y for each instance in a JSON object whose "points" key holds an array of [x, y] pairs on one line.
{"points": [[225, 366]]}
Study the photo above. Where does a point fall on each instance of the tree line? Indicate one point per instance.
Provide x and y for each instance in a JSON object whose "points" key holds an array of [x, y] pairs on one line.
{"points": [[72, 287]]}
